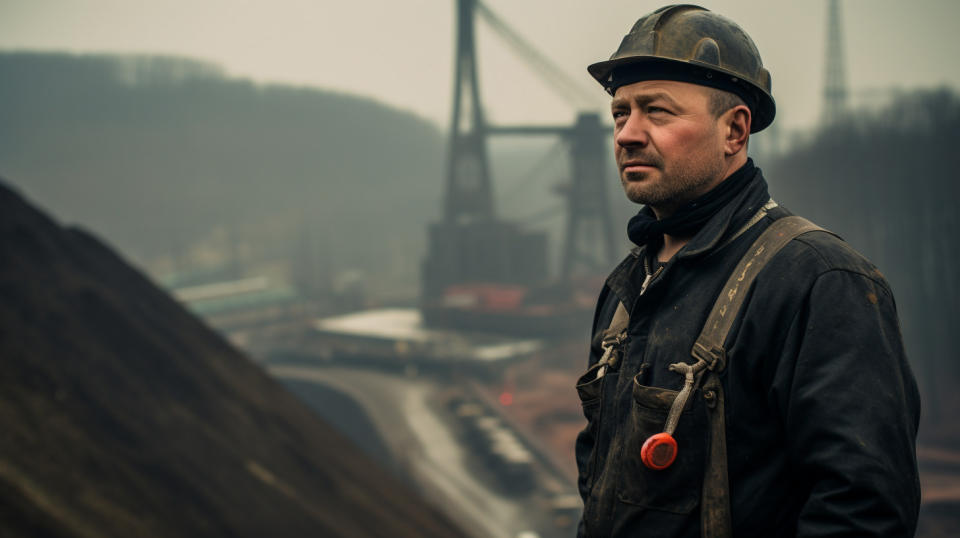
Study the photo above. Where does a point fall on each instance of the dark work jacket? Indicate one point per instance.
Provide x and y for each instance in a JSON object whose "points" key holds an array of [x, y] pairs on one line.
{"points": [[821, 406]]}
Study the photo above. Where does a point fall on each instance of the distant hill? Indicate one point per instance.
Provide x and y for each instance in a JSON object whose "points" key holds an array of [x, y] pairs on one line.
{"points": [[121, 415], [156, 152]]}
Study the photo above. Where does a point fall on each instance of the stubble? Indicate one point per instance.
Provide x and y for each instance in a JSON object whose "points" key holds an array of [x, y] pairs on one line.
{"points": [[667, 187]]}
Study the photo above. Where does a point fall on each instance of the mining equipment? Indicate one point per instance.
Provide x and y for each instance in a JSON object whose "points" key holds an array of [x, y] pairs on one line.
{"points": [[483, 273], [503, 456], [487, 299]]}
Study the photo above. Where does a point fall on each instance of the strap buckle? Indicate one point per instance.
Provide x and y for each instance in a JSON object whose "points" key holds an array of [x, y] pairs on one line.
{"points": [[714, 356], [610, 347]]}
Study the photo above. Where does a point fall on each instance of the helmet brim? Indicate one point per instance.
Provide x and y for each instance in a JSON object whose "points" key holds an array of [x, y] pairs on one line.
{"points": [[762, 105]]}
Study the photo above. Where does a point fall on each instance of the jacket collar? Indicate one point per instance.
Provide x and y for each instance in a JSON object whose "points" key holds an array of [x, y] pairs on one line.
{"points": [[729, 219], [726, 222]]}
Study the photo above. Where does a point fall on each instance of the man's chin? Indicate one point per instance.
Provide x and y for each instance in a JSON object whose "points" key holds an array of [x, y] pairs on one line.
{"points": [[637, 187], [637, 193]]}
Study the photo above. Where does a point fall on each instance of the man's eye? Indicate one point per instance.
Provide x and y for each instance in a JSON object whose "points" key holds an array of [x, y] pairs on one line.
{"points": [[618, 114], [655, 109]]}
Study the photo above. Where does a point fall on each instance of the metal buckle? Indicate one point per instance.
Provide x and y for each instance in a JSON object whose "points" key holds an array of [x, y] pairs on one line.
{"points": [[715, 356]]}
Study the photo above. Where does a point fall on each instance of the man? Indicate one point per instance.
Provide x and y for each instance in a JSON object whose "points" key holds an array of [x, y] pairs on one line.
{"points": [[819, 404]]}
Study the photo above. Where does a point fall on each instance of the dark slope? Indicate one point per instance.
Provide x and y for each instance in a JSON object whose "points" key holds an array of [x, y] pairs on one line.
{"points": [[122, 415]]}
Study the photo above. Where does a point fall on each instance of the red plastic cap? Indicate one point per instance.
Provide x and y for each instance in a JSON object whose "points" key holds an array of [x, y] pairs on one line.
{"points": [[659, 451]]}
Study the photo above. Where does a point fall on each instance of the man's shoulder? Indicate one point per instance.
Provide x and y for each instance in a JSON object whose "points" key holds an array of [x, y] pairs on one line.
{"points": [[813, 254]]}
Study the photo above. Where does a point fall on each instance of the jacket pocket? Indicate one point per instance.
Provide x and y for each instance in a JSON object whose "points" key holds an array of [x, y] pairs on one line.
{"points": [[594, 479], [677, 488], [590, 391], [589, 387]]}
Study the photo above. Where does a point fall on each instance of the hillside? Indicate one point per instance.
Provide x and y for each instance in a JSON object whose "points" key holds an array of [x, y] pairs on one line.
{"points": [[157, 154], [122, 415]]}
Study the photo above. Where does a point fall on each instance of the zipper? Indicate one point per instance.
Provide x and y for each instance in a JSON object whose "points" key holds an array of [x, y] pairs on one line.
{"points": [[649, 276], [646, 260]]}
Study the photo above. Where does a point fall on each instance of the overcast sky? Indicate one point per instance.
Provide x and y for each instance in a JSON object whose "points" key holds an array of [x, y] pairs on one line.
{"points": [[401, 51]]}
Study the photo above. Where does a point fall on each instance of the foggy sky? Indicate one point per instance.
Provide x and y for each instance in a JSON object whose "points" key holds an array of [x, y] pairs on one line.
{"points": [[400, 52]]}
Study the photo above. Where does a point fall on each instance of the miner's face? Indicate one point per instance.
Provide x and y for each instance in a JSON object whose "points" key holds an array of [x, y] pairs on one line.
{"points": [[668, 144]]}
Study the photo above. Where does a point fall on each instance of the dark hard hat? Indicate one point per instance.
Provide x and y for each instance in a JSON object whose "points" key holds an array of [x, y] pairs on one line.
{"points": [[691, 44]]}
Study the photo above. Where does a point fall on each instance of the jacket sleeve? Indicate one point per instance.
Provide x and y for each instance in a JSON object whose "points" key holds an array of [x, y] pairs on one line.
{"points": [[851, 409]]}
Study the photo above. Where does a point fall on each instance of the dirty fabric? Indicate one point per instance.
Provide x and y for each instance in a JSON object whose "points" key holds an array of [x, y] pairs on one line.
{"points": [[821, 406]]}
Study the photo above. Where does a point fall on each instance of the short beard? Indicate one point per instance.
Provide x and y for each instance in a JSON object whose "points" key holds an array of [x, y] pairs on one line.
{"points": [[677, 187], [681, 188]]}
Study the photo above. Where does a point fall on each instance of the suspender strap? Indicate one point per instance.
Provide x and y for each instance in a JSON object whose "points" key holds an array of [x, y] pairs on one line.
{"points": [[715, 521], [715, 504], [709, 345], [612, 338], [618, 325]]}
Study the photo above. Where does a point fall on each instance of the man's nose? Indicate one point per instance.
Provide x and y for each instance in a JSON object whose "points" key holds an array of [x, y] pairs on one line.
{"points": [[633, 132]]}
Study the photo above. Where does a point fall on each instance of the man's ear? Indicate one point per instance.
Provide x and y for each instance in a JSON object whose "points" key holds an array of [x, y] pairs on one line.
{"points": [[736, 125]]}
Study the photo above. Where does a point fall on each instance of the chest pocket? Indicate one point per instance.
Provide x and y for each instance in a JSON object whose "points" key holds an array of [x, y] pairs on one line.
{"points": [[593, 443], [676, 489]]}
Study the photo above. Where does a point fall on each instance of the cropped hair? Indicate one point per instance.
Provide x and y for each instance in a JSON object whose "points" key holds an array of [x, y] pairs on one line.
{"points": [[722, 101]]}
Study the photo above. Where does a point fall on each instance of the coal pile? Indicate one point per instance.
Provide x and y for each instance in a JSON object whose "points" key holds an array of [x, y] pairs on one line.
{"points": [[123, 415]]}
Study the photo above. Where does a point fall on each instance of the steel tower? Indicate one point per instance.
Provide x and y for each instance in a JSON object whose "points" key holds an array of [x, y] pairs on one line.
{"points": [[835, 79], [469, 195]]}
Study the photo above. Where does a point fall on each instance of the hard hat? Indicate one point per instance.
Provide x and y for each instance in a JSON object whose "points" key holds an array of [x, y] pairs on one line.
{"points": [[691, 44]]}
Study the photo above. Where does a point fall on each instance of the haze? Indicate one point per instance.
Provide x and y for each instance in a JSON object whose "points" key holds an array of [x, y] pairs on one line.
{"points": [[401, 52], [276, 165]]}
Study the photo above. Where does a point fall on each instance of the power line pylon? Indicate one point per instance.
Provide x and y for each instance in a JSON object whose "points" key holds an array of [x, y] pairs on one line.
{"points": [[835, 79]]}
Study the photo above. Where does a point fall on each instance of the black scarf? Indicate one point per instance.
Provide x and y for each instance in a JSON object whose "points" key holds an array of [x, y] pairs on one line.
{"points": [[690, 217]]}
